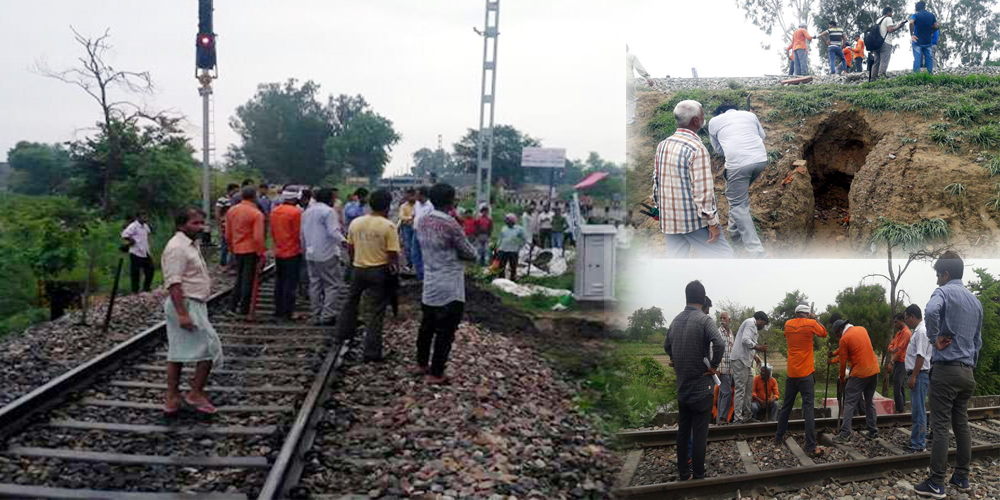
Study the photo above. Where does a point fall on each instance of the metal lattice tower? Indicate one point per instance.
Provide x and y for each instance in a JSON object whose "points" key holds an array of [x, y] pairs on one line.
{"points": [[484, 172]]}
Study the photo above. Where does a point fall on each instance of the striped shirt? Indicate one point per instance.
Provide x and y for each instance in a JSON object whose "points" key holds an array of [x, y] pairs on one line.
{"points": [[683, 185], [727, 339]]}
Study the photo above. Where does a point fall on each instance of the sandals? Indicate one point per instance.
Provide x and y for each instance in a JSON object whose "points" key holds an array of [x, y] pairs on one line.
{"points": [[171, 409], [205, 408]]}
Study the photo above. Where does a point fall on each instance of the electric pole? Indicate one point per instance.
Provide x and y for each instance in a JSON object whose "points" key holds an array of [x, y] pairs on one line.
{"points": [[205, 63], [484, 172]]}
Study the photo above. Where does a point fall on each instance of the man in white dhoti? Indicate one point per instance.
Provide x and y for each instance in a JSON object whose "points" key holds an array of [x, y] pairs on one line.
{"points": [[190, 336]]}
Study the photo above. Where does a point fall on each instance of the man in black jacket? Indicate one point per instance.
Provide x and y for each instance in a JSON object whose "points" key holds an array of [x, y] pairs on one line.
{"points": [[687, 344]]}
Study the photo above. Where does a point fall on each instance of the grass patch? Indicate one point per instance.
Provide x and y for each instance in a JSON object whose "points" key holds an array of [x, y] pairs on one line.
{"points": [[985, 136], [955, 189]]}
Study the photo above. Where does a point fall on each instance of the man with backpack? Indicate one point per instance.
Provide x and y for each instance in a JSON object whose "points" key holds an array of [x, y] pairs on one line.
{"points": [[875, 41]]}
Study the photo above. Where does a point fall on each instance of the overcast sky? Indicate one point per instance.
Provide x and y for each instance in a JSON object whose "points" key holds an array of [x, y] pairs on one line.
{"points": [[763, 283], [671, 37], [417, 63]]}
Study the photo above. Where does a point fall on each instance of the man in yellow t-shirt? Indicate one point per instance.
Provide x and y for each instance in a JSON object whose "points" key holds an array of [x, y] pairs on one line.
{"points": [[406, 214], [374, 247]]}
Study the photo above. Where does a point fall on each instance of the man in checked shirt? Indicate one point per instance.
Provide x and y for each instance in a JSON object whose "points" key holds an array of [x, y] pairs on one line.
{"points": [[684, 190]]}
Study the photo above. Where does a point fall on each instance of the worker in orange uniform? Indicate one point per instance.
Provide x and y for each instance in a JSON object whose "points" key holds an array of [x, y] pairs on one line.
{"points": [[800, 47], [849, 57], [245, 239], [765, 394], [286, 229], [856, 349], [799, 334], [898, 364], [859, 53]]}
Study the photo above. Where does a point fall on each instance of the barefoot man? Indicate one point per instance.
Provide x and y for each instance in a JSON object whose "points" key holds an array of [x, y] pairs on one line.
{"points": [[190, 336]]}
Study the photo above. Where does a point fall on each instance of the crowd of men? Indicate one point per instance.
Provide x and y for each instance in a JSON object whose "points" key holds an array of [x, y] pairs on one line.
{"points": [[345, 252], [924, 35], [935, 353]]}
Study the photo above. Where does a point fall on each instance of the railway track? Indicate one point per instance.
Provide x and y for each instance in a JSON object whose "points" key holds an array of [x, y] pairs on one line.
{"points": [[743, 458], [98, 431]]}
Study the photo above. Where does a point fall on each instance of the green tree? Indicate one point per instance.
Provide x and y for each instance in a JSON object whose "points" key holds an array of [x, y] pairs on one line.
{"points": [[103, 84], [283, 131], [987, 290], [865, 306], [39, 169], [969, 31], [507, 145], [157, 172], [643, 323], [427, 161], [362, 147]]}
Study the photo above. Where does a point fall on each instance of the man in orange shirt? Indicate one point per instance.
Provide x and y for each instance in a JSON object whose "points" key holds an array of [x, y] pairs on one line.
{"points": [[859, 53], [856, 348], [286, 228], [800, 47], [245, 239], [765, 394], [799, 334], [849, 58], [898, 364]]}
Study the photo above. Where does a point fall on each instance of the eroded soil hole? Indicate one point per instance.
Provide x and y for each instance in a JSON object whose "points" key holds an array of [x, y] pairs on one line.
{"points": [[835, 154]]}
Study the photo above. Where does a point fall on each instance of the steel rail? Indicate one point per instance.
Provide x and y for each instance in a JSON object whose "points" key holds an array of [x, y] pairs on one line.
{"points": [[668, 437], [791, 479], [15, 415]]}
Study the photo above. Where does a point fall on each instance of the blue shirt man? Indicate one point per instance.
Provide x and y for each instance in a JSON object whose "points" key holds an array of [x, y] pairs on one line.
{"points": [[923, 27]]}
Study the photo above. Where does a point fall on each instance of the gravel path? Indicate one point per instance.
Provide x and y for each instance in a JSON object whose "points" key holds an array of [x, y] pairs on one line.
{"points": [[659, 465], [505, 425], [47, 350], [767, 456], [984, 478]]}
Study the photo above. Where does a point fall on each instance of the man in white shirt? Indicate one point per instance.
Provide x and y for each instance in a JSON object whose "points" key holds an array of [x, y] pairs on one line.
{"points": [[545, 226], [422, 208], [632, 64], [918, 369], [323, 241], [136, 237], [739, 136], [739, 364], [882, 54]]}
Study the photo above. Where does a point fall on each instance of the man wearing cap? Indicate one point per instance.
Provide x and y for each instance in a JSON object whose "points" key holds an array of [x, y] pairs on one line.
{"points": [[632, 64], [765, 394], [800, 47], [684, 191], [799, 334], [954, 318], [856, 349], [286, 229], [739, 363]]}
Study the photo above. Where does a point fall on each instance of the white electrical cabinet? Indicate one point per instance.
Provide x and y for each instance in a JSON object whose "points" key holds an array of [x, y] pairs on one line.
{"points": [[595, 263]]}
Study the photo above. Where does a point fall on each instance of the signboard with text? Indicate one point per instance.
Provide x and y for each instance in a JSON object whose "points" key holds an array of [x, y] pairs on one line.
{"points": [[543, 157]]}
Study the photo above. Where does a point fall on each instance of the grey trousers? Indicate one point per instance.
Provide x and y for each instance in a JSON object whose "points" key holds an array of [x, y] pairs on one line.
{"points": [[858, 388], [679, 245], [951, 388], [744, 389], [326, 288], [801, 62], [741, 226], [772, 410], [899, 386], [882, 60], [725, 398]]}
